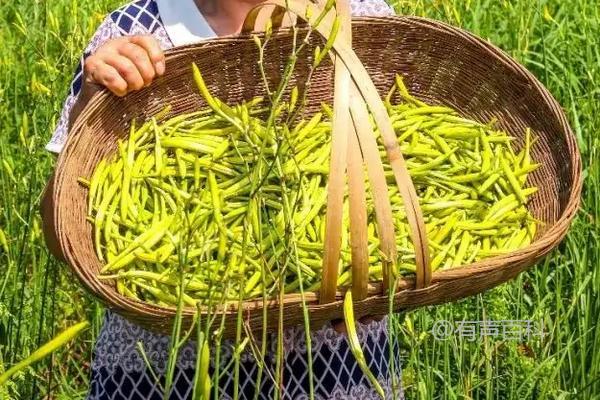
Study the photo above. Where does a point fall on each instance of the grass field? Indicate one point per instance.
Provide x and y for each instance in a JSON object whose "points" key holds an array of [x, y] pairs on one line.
{"points": [[559, 41]]}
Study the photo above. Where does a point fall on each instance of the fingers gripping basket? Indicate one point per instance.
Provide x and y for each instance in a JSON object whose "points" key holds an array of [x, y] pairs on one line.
{"points": [[440, 64]]}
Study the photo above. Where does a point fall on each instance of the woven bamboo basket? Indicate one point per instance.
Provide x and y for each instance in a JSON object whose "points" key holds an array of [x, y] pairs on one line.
{"points": [[440, 64]]}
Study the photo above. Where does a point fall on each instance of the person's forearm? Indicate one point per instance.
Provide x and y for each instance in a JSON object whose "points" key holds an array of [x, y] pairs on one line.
{"points": [[47, 214]]}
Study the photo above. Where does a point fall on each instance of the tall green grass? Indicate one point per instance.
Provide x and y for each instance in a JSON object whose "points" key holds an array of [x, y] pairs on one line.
{"points": [[40, 43], [560, 43]]}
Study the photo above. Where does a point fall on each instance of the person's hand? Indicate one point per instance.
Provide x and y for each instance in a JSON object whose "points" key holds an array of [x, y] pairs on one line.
{"points": [[125, 64]]}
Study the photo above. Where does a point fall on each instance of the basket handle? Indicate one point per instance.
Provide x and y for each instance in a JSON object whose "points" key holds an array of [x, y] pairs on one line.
{"points": [[346, 154], [367, 90], [273, 12]]}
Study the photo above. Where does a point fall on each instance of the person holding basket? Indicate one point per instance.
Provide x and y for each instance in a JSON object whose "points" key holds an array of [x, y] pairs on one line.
{"points": [[126, 54]]}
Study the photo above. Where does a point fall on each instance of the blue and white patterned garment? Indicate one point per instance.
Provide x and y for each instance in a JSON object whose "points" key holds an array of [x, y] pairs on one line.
{"points": [[118, 370]]}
